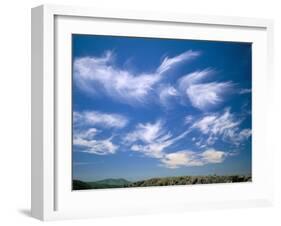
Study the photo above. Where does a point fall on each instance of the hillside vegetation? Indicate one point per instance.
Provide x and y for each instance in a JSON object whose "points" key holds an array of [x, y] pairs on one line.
{"points": [[181, 180]]}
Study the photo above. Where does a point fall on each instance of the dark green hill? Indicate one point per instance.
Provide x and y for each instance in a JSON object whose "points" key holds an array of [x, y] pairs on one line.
{"points": [[106, 183], [110, 183], [114, 182], [80, 185]]}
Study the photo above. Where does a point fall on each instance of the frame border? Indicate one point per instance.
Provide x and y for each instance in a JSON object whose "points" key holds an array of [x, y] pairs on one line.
{"points": [[43, 121]]}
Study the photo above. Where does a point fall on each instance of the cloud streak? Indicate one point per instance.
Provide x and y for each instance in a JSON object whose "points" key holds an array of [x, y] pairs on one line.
{"points": [[201, 93], [151, 139], [223, 126], [97, 118], [205, 96], [166, 94], [98, 74], [169, 63], [85, 140], [245, 91]]}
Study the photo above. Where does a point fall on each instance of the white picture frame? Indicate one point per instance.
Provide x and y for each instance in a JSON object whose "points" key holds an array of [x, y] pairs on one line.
{"points": [[52, 197]]}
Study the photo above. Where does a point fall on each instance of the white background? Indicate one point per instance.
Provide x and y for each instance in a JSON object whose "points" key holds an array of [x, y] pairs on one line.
{"points": [[15, 112]]}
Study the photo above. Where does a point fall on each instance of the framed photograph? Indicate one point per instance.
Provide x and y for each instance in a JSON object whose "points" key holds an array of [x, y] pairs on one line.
{"points": [[136, 113]]}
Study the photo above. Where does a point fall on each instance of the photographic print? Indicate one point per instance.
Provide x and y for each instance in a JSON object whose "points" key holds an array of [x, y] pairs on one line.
{"points": [[160, 112]]}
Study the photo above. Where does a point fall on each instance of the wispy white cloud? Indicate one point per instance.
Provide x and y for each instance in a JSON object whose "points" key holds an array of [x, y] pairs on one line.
{"points": [[201, 93], [86, 134], [85, 131], [221, 125], [85, 140], [151, 139], [204, 96], [166, 93], [195, 78], [188, 119], [187, 158], [245, 91], [99, 74], [90, 118], [146, 133], [168, 63], [93, 75], [237, 136]]}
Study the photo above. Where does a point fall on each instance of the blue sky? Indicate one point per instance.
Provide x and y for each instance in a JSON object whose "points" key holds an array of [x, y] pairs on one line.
{"points": [[145, 107]]}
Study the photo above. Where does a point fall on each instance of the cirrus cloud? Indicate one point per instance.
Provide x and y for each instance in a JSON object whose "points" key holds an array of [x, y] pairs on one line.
{"points": [[225, 126], [85, 131], [205, 96], [152, 140], [168, 63], [99, 74], [202, 93], [85, 140], [90, 118], [166, 93]]}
